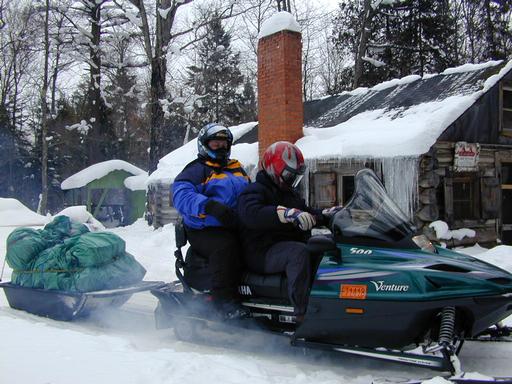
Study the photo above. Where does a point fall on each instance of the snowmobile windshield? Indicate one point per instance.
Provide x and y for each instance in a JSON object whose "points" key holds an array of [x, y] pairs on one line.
{"points": [[371, 214]]}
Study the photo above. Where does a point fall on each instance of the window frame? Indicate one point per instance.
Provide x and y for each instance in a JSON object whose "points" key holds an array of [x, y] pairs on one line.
{"points": [[338, 184], [504, 88], [473, 179], [472, 201]]}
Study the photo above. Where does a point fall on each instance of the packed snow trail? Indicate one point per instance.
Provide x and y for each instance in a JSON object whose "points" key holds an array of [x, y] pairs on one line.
{"points": [[122, 346]]}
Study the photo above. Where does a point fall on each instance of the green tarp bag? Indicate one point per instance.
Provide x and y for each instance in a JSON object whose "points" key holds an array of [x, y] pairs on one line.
{"points": [[95, 249], [23, 246], [122, 271], [67, 257]]}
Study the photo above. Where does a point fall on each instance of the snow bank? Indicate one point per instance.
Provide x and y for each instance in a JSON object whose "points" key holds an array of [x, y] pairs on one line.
{"points": [[79, 214], [501, 256], [153, 248], [443, 231], [14, 213], [280, 21], [97, 171], [173, 163]]}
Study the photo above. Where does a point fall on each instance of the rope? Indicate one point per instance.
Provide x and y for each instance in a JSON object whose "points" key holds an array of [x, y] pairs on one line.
{"points": [[49, 270]]}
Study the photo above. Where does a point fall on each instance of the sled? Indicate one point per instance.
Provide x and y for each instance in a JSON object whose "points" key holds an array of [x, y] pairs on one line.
{"points": [[68, 306], [380, 290]]}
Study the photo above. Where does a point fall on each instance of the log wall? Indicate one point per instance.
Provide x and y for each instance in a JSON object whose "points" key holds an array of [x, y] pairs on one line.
{"points": [[159, 205], [435, 183]]}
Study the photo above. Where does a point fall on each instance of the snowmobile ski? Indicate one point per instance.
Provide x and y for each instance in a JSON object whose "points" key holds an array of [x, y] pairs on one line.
{"points": [[496, 333], [435, 362], [460, 379]]}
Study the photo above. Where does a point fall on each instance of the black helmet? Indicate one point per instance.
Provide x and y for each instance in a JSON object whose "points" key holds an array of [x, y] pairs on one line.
{"points": [[214, 131]]}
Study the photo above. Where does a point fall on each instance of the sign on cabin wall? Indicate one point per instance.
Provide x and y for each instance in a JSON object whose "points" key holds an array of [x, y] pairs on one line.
{"points": [[466, 156]]}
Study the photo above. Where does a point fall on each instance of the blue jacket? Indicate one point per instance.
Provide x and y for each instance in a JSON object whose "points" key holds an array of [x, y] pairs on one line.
{"points": [[202, 180]]}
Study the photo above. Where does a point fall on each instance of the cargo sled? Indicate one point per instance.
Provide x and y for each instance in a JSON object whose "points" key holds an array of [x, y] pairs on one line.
{"points": [[67, 306]]}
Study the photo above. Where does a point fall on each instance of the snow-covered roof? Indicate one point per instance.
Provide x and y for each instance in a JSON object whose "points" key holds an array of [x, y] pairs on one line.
{"points": [[397, 118], [280, 21], [173, 163], [97, 171], [136, 183]]}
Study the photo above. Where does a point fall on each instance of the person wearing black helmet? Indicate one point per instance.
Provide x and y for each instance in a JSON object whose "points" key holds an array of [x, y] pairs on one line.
{"points": [[205, 193]]}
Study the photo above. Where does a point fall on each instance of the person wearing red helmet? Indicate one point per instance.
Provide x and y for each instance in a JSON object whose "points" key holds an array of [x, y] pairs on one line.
{"points": [[276, 221]]}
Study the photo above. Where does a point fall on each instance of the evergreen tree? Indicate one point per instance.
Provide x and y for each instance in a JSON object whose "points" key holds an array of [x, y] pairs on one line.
{"points": [[398, 39], [494, 31], [217, 79], [18, 169], [131, 139], [248, 103]]}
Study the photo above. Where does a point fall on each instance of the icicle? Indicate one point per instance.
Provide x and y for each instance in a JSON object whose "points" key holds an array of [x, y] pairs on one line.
{"points": [[400, 176]]}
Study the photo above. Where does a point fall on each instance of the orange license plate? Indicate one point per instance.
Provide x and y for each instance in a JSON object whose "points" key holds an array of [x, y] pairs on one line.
{"points": [[353, 291]]}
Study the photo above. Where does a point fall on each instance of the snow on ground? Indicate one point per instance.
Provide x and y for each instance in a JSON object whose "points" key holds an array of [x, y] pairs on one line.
{"points": [[15, 213], [122, 345]]}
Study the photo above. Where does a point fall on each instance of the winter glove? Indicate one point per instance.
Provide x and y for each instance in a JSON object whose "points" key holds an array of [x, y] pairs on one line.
{"points": [[330, 212], [304, 220], [221, 212]]}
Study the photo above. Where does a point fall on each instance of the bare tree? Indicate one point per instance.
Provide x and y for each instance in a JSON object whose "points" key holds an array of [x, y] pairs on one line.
{"points": [[363, 37], [44, 113], [156, 47]]}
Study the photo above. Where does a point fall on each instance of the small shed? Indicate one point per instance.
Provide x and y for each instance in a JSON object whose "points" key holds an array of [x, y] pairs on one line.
{"points": [[113, 191]]}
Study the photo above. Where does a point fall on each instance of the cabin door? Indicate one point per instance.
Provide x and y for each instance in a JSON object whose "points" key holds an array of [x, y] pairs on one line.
{"points": [[506, 203]]}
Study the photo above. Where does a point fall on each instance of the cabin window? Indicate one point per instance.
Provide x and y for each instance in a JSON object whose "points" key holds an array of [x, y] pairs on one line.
{"points": [[331, 188], [346, 188], [466, 198], [506, 120], [324, 189]]}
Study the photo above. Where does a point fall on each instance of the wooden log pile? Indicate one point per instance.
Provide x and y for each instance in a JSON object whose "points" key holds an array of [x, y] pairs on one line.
{"points": [[160, 210]]}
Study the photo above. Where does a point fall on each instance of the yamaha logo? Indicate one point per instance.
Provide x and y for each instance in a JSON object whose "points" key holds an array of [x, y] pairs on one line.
{"points": [[381, 286], [245, 290]]}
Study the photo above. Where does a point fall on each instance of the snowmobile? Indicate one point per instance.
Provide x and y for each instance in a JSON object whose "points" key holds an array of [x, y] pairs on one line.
{"points": [[380, 290]]}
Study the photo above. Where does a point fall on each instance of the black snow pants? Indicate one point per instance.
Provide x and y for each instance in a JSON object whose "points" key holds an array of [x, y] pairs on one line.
{"points": [[221, 247], [292, 258]]}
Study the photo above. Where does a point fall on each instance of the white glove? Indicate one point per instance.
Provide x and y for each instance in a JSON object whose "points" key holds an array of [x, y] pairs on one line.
{"points": [[304, 220]]}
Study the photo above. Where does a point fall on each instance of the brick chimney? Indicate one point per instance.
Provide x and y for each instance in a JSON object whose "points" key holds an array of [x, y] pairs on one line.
{"points": [[280, 105]]}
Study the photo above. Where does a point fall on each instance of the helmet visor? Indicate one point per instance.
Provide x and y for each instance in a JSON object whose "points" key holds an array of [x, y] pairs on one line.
{"points": [[293, 177]]}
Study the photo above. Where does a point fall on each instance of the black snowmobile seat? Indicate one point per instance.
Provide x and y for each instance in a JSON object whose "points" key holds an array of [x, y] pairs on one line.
{"points": [[273, 286]]}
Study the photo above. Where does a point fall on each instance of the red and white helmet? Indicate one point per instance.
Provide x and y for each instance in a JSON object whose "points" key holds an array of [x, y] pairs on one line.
{"points": [[283, 162]]}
